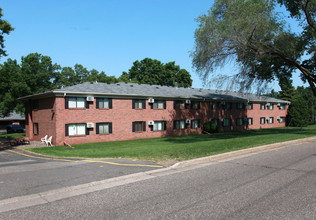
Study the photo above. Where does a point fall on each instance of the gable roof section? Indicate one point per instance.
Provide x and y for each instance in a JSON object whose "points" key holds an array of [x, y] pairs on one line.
{"points": [[153, 91]]}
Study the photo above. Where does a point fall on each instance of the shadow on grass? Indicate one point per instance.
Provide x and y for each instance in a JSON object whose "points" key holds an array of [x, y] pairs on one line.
{"points": [[246, 133]]}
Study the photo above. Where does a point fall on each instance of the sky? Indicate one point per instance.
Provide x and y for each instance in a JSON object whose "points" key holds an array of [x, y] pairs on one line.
{"points": [[107, 35]]}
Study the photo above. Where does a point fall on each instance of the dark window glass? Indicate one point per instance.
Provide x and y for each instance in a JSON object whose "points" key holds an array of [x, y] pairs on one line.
{"points": [[35, 128]]}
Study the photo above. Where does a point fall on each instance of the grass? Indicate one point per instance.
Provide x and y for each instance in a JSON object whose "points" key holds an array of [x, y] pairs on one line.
{"points": [[11, 136], [180, 148]]}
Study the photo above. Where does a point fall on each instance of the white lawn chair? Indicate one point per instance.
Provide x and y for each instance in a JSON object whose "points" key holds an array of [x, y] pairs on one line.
{"points": [[44, 139], [49, 141]]}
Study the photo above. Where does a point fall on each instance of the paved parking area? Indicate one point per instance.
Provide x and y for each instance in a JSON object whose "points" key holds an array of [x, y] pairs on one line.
{"points": [[25, 173]]}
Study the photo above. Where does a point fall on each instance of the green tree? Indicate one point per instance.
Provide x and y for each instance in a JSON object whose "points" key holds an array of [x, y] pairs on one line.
{"points": [[307, 95], [5, 28], [299, 112], [252, 35], [151, 71], [12, 86], [38, 71]]}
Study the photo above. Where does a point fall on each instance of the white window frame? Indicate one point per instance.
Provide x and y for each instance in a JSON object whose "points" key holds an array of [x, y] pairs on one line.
{"points": [[76, 129], [76, 102]]}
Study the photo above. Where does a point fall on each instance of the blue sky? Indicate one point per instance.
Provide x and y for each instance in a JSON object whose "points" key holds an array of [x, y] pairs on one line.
{"points": [[106, 35]]}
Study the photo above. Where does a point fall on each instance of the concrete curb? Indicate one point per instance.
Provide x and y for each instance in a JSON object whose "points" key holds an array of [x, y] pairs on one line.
{"points": [[241, 152], [67, 192]]}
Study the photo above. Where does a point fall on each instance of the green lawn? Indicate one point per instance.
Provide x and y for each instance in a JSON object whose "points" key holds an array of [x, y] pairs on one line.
{"points": [[11, 135], [179, 148]]}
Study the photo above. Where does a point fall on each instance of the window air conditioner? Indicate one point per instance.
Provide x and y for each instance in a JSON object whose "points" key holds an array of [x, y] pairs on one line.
{"points": [[278, 118], [151, 100], [151, 122], [187, 121], [268, 104], [187, 101], [90, 98], [278, 104], [90, 125], [267, 118]]}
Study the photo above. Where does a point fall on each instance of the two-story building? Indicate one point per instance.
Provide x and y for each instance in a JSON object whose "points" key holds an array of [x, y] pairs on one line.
{"points": [[97, 112]]}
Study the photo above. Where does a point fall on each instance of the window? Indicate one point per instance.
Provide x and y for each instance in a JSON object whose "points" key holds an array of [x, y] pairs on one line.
{"points": [[104, 128], [262, 106], [179, 105], [226, 105], [179, 124], [75, 102], [159, 126], [214, 105], [104, 103], [250, 106], [216, 121], [282, 119], [262, 120], [270, 120], [139, 126], [76, 129], [239, 121], [139, 104], [270, 106], [227, 122], [159, 104], [282, 106], [195, 105], [239, 105], [195, 123], [249, 121], [35, 128]]}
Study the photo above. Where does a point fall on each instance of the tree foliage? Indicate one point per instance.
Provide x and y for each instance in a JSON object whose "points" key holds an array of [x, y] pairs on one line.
{"points": [[5, 28], [298, 112], [252, 35], [151, 71], [37, 73]]}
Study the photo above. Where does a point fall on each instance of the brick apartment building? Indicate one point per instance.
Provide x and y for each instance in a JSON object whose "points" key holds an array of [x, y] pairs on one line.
{"points": [[97, 112]]}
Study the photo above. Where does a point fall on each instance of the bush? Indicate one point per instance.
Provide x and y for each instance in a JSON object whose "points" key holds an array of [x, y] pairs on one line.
{"points": [[211, 127]]}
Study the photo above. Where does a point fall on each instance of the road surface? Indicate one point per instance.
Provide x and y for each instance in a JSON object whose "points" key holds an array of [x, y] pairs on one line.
{"points": [[276, 184]]}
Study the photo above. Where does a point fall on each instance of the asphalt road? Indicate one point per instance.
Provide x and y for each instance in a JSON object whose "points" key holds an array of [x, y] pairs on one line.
{"points": [[23, 173], [276, 184]]}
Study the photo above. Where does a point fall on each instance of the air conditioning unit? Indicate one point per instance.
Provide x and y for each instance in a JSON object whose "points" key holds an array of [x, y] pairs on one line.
{"points": [[278, 104], [267, 118], [187, 121], [90, 98], [268, 104], [187, 101], [151, 100], [90, 125], [278, 118], [151, 122]]}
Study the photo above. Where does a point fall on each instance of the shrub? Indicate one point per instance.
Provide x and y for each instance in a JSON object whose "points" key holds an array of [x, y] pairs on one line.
{"points": [[211, 127]]}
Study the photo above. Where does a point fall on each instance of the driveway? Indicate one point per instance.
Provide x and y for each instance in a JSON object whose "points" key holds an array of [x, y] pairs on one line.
{"points": [[25, 173]]}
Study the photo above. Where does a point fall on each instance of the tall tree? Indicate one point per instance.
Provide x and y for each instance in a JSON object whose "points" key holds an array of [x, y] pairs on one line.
{"points": [[253, 35], [151, 71], [5, 28], [12, 86]]}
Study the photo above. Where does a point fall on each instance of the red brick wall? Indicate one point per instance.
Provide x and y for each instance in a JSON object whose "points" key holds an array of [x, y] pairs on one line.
{"points": [[256, 113], [122, 115], [45, 118]]}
